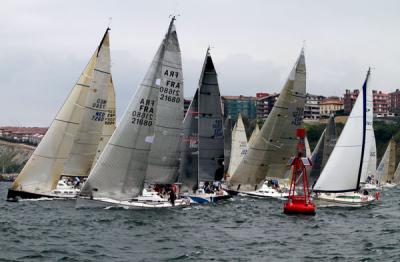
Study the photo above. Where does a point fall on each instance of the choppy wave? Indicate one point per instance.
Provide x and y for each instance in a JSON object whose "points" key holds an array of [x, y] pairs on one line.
{"points": [[241, 229]]}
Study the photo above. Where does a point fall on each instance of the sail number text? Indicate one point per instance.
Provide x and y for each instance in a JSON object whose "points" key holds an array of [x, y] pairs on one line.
{"points": [[144, 115], [170, 89]]}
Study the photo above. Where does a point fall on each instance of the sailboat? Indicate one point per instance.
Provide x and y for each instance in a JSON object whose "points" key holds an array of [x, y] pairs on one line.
{"points": [[339, 182], [396, 176], [266, 160], [203, 148], [239, 145], [368, 181], [144, 147], [323, 149], [386, 169], [254, 135], [307, 147], [70, 145], [227, 144]]}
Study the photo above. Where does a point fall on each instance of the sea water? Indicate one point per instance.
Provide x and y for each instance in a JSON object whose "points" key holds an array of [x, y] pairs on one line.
{"points": [[240, 229]]}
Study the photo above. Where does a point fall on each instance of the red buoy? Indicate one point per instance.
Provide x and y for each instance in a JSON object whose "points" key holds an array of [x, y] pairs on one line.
{"points": [[299, 200]]}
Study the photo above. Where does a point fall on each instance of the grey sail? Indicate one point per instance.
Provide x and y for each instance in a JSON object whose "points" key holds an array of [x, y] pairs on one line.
{"points": [[211, 136], [121, 169], [190, 146], [330, 140], [316, 159], [276, 143], [94, 113], [43, 170], [165, 152], [203, 147], [227, 142]]}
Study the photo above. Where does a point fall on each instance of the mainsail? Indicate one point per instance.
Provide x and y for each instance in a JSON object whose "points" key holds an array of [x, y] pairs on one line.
{"points": [[386, 168], [94, 113], [203, 131], [121, 169], [43, 170], [344, 168], [239, 145], [276, 142]]}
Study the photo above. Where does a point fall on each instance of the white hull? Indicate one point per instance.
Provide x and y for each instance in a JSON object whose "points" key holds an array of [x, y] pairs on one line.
{"points": [[134, 204], [371, 187], [205, 198], [389, 185], [343, 200], [267, 191]]}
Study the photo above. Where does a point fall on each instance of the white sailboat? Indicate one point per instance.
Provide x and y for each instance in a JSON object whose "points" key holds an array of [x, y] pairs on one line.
{"points": [[69, 146], [239, 145], [203, 148], [339, 182], [266, 161], [369, 182], [253, 136], [144, 147], [307, 147], [386, 169]]}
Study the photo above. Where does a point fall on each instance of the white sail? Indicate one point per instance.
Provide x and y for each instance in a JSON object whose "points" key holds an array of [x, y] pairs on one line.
{"points": [[276, 142], [94, 112], [43, 170], [386, 168], [254, 135], [371, 165], [121, 169], [396, 175], [307, 147], [239, 145], [343, 170], [316, 159], [109, 122]]}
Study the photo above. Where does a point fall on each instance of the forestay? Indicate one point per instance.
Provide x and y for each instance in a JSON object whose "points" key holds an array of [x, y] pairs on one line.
{"points": [[343, 170], [269, 154], [121, 169]]}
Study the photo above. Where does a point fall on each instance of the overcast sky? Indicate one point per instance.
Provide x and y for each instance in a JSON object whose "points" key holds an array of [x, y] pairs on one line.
{"points": [[45, 45]]}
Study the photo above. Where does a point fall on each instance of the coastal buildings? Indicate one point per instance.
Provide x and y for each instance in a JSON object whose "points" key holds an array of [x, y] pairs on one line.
{"points": [[246, 105], [330, 106], [265, 103], [27, 135], [381, 100], [394, 102], [312, 107]]}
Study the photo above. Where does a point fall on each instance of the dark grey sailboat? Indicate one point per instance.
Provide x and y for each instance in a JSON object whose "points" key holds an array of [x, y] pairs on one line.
{"points": [[203, 148]]}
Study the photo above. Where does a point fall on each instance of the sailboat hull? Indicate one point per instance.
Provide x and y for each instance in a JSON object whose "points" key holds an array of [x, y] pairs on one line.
{"points": [[343, 200], [14, 195], [83, 202]]}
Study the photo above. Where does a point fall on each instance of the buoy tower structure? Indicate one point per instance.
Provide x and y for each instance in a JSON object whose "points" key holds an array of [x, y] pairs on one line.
{"points": [[299, 201]]}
